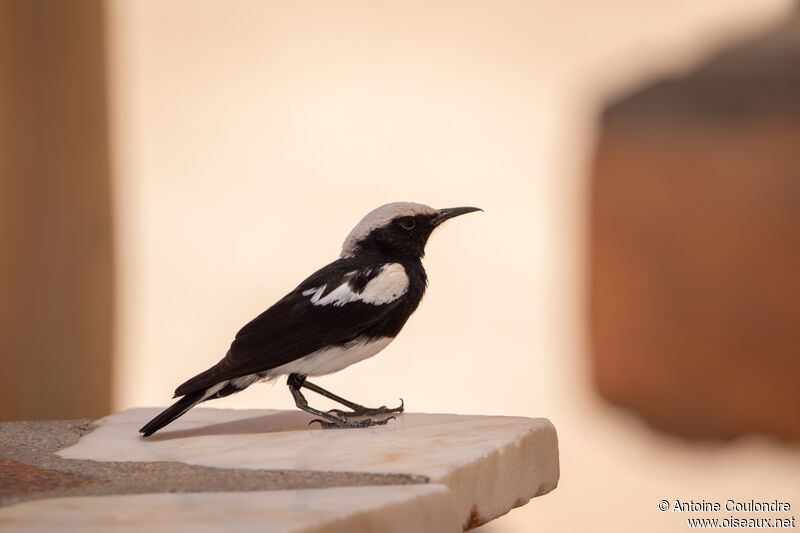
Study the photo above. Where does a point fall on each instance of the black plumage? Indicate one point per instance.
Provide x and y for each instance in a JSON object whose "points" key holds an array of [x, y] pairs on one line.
{"points": [[293, 327], [364, 297]]}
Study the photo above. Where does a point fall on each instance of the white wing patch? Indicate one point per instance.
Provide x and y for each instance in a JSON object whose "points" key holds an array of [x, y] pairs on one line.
{"points": [[315, 293], [389, 285]]}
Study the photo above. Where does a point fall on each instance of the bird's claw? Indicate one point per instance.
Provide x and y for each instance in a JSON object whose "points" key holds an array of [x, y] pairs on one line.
{"points": [[367, 411], [344, 423]]}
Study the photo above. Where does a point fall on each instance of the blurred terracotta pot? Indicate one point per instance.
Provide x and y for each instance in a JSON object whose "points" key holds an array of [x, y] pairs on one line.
{"points": [[695, 246]]}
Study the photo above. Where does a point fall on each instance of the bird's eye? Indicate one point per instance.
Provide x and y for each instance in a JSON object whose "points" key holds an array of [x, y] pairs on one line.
{"points": [[407, 223]]}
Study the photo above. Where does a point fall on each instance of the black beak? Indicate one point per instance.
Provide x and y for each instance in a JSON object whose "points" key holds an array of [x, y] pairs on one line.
{"points": [[450, 212]]}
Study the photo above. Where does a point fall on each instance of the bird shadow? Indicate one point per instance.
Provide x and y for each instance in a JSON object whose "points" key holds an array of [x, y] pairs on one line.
{"points": [[270, 423]]}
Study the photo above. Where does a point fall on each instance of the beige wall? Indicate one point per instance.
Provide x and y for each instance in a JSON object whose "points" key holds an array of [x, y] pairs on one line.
{"points": [[250, 136]]}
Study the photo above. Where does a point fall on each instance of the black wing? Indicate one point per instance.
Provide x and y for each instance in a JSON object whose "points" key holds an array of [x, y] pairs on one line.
{"points": [[294, 327]]}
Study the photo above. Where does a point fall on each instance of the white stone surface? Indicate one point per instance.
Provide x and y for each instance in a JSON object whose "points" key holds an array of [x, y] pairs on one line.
{"points": [[491, 464], [396, 509]]}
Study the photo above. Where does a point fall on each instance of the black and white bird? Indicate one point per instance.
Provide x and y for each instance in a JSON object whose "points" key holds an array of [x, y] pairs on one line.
{"points": [[344, 313]]}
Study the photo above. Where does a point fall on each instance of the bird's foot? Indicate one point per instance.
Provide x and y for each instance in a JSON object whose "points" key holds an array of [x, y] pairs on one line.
{"points": [[360, 410], [336, 422]]}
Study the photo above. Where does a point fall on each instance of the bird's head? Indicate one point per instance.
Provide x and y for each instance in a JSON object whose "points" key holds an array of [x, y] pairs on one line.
{"points": [[399, 229]]}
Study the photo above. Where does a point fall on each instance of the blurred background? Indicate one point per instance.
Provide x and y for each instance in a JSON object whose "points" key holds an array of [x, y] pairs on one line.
{"points": [[170, 168]]}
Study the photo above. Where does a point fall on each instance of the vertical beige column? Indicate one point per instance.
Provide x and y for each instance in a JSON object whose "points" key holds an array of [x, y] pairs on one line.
{"points": [[56, 286]]}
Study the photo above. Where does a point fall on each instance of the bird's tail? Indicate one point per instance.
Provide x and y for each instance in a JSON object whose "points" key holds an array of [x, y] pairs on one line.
{"points": [[172, 412]]}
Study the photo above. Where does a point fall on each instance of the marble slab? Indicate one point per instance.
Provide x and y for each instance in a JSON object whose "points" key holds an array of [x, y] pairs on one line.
{"points": [[491, 464], [396, 509]]}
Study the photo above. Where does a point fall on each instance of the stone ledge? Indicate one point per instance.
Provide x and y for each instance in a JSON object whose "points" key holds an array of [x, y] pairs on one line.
{"points": [[488, 464], [31, 470], [398, 509]]}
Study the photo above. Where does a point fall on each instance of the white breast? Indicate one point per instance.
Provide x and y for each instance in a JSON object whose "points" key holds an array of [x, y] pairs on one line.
{"points": [[389, 285], [329, 360]]}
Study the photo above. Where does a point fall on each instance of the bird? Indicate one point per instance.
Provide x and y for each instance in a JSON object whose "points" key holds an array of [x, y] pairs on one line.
{"points": [[345, 312]]}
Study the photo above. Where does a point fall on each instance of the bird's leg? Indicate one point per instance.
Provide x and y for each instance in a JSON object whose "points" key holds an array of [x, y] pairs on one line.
{"points": [[357, 410], [327, 420]]}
